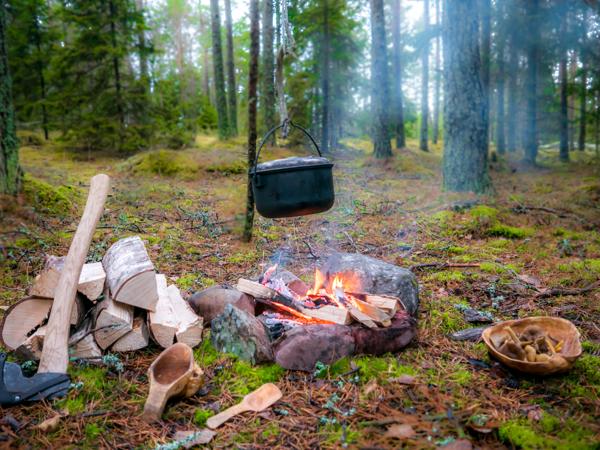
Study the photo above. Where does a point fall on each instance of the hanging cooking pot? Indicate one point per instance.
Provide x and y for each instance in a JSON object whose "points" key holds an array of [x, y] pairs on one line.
{"points": [[295, 186]]}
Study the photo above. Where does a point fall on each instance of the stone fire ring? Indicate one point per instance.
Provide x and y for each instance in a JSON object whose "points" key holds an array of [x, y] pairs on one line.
{"points": [[238, 331]]}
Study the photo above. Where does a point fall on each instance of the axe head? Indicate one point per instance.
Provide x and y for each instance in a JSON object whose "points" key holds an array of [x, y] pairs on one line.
{"points": [[16, 388]]}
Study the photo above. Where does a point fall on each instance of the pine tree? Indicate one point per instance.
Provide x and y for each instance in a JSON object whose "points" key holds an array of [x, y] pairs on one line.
{"points": [[513, 87], [423, 136], [465, 139], [379, 82], [219, 71], [438, 76], [563, 116], [485, 26], [252, 99], [531, 129], [397, 68], [583, 85], [231, 84], [501, 36], [267, 87], [10, 171], [325, 82]]}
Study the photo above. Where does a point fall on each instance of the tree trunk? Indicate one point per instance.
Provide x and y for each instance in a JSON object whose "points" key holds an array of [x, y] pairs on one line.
{"points": [[252, 82], [571, 101], [530, 144], [438, 76], [142, 52], [205, 82], [501, 20], [425, 83], [465, 139], [379, 82], [116, 67], [10, 171], [325, 80], [485, 11], [397, 66], [513, 90], [564, 116], [268, 71], [231, 85], [40, 71], [597, 130], [222, 120]]}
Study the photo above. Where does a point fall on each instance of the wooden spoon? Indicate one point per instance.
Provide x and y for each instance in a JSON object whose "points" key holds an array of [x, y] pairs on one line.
{"points": [[256, 401], [173, 373]]}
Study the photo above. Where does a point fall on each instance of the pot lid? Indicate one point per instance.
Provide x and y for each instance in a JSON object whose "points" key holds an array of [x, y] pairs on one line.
{"points": [[293, 162]]}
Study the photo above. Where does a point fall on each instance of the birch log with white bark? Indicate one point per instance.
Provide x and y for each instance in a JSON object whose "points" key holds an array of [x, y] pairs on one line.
{"points": [[130, 274], [189, 324], [32, 347], [28, 314], [91, 280], [136, 339], [113, 320]]}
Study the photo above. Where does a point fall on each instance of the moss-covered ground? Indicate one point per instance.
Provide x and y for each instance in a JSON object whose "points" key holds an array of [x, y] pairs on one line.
{"points": [[540, 229]]}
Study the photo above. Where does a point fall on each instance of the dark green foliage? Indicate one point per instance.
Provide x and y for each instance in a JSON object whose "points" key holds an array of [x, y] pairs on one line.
{"points": [[219, 73], [10, 171]]}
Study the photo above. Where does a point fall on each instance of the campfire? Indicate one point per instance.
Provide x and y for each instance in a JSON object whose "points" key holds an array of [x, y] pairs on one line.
{"points": [[327, 302]]}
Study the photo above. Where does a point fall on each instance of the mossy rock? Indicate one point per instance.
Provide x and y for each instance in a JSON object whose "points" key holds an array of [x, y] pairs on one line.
{"points": [[167, 163], [483, 213], [48, 199]]}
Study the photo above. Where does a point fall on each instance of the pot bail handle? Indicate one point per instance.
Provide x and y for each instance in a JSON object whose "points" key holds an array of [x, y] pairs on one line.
{"points": [[273, 130]]}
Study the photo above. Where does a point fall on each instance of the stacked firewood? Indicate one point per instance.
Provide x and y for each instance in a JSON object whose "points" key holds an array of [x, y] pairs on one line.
{"points": [[121, 303]]}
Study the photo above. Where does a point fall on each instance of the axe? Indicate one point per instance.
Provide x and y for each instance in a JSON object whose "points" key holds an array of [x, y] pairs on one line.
{"points": [[52, 380]]}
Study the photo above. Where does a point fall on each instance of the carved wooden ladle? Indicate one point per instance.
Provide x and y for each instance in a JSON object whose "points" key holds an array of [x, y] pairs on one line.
{"points": [[173, 373], [256, 401]]}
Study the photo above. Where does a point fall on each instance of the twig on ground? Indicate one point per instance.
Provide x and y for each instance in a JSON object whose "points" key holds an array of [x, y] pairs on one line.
{"points": [[310, 250], [439, 266], [555, 292]]}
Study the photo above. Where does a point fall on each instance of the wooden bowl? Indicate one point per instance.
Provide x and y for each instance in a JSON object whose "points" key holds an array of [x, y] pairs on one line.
{"points": [[557, 328]]}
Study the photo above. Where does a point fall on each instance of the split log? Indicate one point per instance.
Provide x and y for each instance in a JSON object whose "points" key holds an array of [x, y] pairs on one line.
{"points": [[22, 318], [82, 343], [173, 318], [325, 313], [130, 274], [356, 313], [376, 314], [385, 302], [91, 280], [113, 320], [32, 347], [136, 339]]}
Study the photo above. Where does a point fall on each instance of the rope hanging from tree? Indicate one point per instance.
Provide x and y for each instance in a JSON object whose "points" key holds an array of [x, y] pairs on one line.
{"points": [[285, 49]]}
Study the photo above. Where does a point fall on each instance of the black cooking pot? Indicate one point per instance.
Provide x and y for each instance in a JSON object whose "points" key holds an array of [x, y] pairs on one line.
{"points": [[294, 186]]}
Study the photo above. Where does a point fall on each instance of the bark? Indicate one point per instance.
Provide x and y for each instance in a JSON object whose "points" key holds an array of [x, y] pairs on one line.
{"points": [[205, 81], [116, 67], [530, 135], [513, 92], [465, 139], [397, 66], [571, 101], [40, 71], [325, 107], [583, 87], [485, 11], [564, 116], [252, 82], [425, 83], [500, 132], [143, 55], [231, 85], [597, 128], [379, 82], [268, 71], [222, 121], [10, 170], [438, 77]]}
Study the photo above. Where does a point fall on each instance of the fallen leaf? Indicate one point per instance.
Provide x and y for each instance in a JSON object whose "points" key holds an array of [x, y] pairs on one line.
{"points": [[189, 438], [400, 431], [370, 387], [459, 444], [403, 379], [49, 424]]}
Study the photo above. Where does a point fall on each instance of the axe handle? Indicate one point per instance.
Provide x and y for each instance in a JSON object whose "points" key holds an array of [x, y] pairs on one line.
{"points": [[55, 353]]}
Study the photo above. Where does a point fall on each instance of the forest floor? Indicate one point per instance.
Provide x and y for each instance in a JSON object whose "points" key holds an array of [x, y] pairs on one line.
{"points": [[540, 229]]}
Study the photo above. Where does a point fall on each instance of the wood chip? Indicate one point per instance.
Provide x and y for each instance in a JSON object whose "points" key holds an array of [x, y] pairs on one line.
{"points": [[400, 431]]}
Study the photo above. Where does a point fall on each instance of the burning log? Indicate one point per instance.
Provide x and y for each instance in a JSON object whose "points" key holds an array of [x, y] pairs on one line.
{"points": [[276, 300], [385, 302]]}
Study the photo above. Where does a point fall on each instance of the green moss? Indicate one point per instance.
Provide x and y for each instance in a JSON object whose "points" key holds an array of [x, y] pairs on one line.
{"points": [[243, 378], [461, 377], [509, 232], [92, 431], [166, 163], [228, 168], [243, 257], [201, 416], [442, 217], [55, 201], [447, 276], [187, 281], [272, 430], [96, 387], [492, 267], [498, 243], [484, 214], [205, 354], [549, 433]]}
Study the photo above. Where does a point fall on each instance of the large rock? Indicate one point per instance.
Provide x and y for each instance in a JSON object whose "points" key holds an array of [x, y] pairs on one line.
{"points": [[304, 346], [237, 332], [365, 274], [377, 341], [211, 302]]}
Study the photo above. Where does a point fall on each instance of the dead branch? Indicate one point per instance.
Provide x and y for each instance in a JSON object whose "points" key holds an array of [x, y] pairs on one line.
{"points": [[555, 292], [441, 266]]}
